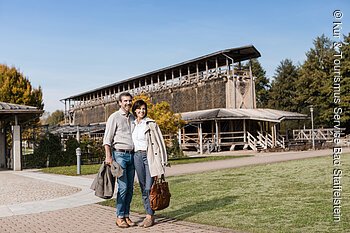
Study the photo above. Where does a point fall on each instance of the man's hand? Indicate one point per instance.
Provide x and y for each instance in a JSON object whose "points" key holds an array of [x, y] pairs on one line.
{"points": [[108, 160]]}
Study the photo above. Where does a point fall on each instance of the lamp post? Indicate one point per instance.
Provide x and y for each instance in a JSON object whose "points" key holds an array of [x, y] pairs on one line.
{"points": [[312, 127]]}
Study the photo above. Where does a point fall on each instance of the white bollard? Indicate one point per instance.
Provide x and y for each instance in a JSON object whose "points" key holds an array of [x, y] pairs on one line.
{"points": [[78, 153]]}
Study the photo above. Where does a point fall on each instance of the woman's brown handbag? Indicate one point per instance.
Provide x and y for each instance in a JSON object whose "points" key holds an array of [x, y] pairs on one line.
{"points": [[159, 194]]}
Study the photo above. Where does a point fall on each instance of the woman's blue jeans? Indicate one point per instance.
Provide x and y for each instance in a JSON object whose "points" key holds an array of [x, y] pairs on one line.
{"points": [[125, 183], [145, 179]]}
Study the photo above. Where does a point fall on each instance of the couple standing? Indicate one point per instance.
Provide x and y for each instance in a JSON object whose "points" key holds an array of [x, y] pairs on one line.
{"points": [[135, 142]]}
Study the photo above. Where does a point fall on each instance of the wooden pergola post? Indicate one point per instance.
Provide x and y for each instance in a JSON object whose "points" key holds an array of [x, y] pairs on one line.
{"points": [[14, 114], [274, 137], [244, 131], [216, 135], [179, 136], [200, 139], [2, 145], [16, 145]]}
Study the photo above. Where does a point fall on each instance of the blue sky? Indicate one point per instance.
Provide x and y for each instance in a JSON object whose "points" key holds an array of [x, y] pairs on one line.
{"points": [[68, 47]]}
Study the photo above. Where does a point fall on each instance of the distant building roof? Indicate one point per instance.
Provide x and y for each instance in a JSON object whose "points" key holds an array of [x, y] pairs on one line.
{"points": [[237, 54], [252, 114], [72, 129], [24, 112], [17, 108]]}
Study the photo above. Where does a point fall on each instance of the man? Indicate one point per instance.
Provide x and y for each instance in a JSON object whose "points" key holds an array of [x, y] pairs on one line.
{"points": [[119, 147]]}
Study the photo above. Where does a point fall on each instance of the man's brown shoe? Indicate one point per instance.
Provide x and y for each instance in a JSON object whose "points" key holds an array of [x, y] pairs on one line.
{"points": [[129, 222], [121, 223]]}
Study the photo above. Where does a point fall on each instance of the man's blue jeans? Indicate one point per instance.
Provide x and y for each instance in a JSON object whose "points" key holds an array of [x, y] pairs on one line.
{"points": [[145, 179], [125, 183]]}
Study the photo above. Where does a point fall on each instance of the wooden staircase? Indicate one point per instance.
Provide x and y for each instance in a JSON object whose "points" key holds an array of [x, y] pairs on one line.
{"points": [[263, 142]]}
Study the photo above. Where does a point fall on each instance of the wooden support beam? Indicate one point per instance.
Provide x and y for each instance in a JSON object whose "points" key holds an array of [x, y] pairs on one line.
{"points": [[200, 139], [216, 134], [252, 86], [180, 78], [244, 131], [274, 136], [172, 78], [206, 68], [234, 78]]}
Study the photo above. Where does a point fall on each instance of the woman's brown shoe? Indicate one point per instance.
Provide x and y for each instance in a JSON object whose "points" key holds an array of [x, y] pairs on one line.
{"points": [[140, 224], [129, 222], [121, 223], [148, 222]]}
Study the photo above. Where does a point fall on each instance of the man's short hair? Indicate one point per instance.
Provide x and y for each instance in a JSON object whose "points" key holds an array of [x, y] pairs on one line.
{"points": [[124, 94]]}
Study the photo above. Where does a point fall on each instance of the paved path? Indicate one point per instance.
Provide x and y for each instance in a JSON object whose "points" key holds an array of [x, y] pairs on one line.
{"points": [[76, 211], [93, 219], [83, 195], [259, 158], [14, 189]]}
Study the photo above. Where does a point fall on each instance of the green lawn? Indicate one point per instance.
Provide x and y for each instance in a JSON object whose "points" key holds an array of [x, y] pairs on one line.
{"points": [[92, 169], [294, 196]]}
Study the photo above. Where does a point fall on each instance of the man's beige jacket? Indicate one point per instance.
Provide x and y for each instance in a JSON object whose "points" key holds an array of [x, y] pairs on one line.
{"points": [[104, 181]]}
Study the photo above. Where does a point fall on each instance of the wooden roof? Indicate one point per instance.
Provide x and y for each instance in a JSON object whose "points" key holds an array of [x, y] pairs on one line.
{"points": [[23, 112], [237, 54], [263, 114]]}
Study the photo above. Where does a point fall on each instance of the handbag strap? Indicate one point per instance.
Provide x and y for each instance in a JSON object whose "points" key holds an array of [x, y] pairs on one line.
{"points": [[159, 180]]}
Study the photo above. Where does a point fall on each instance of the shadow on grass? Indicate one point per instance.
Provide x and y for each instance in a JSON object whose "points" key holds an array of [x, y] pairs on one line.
{"points": [[196, 208]]}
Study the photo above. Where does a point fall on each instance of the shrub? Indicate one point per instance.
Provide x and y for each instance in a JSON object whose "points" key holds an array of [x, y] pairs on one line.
{"points": [[174, 150], [46, 153]]}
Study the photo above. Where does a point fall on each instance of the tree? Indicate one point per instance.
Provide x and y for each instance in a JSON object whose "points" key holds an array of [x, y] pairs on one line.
{"points": [[262, 84], [55, 118], [282, 93], [168, 123], [16, 88], [47, 153], [314, 86], [345, 83]]}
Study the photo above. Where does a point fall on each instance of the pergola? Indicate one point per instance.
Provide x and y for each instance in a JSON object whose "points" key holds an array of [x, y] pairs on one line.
{"points": [[247, 127], [14, 115]]}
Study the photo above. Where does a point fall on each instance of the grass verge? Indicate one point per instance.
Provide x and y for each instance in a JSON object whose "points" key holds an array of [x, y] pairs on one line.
{"points": [[294, 196], [93, 169]]}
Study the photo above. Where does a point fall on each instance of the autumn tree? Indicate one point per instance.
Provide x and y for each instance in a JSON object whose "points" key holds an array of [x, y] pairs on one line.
{"points": [[55, 118], [16, 88], [168, 121]]}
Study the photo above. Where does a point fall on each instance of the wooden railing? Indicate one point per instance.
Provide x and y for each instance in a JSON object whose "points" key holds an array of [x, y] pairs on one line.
{"points": [[280, 142], [261, 141], [229, 138], [252, 142], [319, 134]]}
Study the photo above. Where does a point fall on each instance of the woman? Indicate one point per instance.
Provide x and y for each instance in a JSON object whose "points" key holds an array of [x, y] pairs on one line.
{"points": [[150, 155]]}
